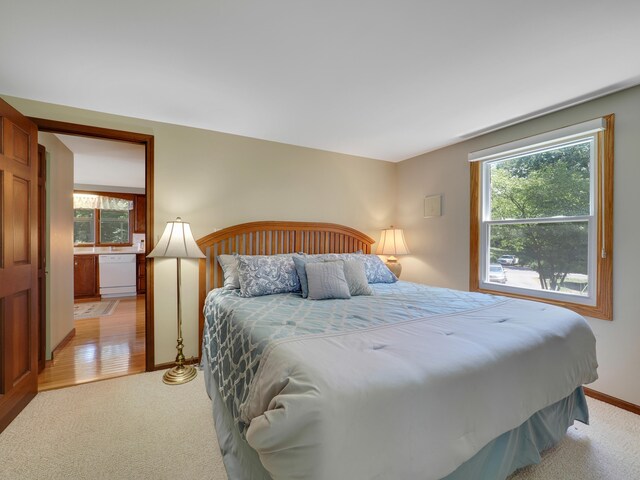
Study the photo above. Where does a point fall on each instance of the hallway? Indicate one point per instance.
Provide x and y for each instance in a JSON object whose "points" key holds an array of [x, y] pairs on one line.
{"points": [[103, 347]]}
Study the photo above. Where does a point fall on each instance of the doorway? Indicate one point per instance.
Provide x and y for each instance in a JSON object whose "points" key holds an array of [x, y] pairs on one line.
{"points": [[131, 315]]}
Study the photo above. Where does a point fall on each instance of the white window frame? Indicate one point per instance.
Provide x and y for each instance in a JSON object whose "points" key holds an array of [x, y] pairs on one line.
{"points": [[486, 222], [598, 301]]}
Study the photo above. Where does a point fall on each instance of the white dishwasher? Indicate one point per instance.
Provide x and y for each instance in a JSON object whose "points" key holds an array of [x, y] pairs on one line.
{"points": [[117, 275]]}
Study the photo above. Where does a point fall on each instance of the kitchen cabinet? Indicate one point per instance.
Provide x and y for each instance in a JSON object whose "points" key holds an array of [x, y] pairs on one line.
{"points": [[141, 280], [85, 276], [140, 214]]}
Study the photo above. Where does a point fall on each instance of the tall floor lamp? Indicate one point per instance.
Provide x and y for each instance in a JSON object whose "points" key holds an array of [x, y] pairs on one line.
{"points": [[177, 242]]}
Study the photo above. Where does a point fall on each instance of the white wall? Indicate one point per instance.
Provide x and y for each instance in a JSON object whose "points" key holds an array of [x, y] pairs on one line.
{"points": [[59, 240], [215, 180], [440, 246]]}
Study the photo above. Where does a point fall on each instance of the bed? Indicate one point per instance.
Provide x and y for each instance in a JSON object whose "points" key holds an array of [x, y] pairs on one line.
{"points": [[412, 381]]}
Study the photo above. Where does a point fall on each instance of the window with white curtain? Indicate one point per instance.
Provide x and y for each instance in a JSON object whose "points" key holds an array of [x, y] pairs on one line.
{"points": [[101, 220]]}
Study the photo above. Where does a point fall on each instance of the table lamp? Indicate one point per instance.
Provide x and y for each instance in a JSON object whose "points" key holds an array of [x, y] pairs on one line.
{"points": [[392, 243]]}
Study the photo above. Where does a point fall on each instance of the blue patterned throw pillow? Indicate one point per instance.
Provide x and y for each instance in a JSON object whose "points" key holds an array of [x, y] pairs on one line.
{"points": [[266, 274], [377, 271]]}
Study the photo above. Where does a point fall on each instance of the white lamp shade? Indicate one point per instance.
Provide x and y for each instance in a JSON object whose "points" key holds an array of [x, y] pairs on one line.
{"points": [[392, 242], [177, 242]]}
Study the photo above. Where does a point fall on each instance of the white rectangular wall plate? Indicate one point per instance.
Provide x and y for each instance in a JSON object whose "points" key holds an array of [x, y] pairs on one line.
{"points": [[433, 206]]}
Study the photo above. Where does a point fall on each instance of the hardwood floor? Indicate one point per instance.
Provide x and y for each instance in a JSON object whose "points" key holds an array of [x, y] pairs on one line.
{"points": [[103, 347]]}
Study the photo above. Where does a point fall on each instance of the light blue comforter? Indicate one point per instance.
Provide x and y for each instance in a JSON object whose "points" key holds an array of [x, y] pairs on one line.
{"points": [[408, 383], [238, 329]]}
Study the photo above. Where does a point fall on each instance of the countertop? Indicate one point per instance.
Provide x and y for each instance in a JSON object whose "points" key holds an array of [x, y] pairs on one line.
{"points": [[105, 250]]}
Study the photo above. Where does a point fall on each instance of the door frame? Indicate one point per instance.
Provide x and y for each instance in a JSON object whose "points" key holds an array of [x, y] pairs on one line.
{"points": [[42, 267], [54, 126]]}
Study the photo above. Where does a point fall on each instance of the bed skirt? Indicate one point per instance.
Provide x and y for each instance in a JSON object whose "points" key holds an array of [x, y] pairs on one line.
{"points": [[495, 461]]}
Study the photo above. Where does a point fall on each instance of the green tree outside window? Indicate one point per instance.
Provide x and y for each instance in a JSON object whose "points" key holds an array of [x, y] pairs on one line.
{"points": [[552, 184]]}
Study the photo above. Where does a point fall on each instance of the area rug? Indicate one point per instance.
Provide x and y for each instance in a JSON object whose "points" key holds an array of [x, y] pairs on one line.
{"points": [[94, 309]]}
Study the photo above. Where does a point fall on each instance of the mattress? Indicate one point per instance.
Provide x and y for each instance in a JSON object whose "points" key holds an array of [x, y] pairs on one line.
{"points": [[409, 383]]}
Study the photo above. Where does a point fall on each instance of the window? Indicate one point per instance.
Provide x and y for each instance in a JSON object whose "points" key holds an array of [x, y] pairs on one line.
{"points": [[101, 220], [114, 226], [541, 213], [84, 224]]}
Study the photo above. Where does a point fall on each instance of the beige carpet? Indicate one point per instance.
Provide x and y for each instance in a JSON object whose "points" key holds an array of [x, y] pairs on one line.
{"points": [[607, 449], [138, 428], [94, 309], [131, 427]]}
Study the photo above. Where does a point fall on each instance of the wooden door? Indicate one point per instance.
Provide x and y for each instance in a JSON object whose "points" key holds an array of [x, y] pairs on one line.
{"points": [[18, 263]]}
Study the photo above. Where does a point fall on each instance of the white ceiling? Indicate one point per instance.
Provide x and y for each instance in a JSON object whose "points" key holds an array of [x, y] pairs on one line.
{"points": [[381, 79], [106, 162]]}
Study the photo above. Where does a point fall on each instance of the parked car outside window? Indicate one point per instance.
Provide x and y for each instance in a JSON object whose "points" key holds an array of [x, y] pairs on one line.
{"points": [[508, 260], [497, 273]]}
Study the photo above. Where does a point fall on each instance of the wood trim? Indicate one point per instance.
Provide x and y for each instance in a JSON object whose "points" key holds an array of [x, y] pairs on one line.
{"points": [[270, 238], [604, 294], [616, 402], [604, 299], [42, 264], [164, 366], [98, 231], [474, 228], [202, 295], [54, 126], [270, 226], [584, 310], [63, 343], [95, 298], [148, 242]]}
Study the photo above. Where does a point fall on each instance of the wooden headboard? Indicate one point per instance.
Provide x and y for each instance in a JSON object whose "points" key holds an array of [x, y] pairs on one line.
{"points": [[270, 238]]}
